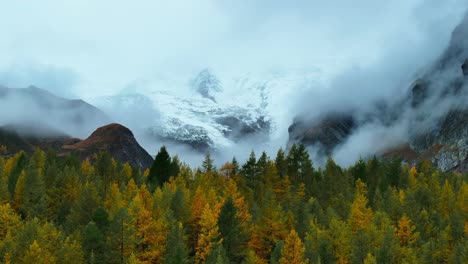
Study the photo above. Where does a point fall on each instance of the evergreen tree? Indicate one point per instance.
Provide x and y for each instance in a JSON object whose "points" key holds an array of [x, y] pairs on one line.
{"points": [[207, 165], [105, 170], [121, 234], [71, 252], [262, 165], [293, 162], [217, 256], [231, 230], [4, 193], [62, 210], [14, 167], [359, 171], [94, 243], [34, 200], [276, 254], [249, 170], [175, 166], [19, 193], [281, 163], [235, 166], [160, 171], [336, 189], [176, 250], [83, 209], [179, 206], [387, 253]]}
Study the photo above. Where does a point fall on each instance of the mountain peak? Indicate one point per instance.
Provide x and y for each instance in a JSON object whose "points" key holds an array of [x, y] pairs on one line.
{"points": [[119, 141], [207, 84], [111, 131]]}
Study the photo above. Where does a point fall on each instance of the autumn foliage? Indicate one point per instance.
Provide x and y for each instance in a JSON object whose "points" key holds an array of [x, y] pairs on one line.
{"points": [[60, 209]]}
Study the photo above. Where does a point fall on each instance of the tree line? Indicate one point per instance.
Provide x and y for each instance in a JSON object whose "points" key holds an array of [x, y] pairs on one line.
{"points": [[281, 209]]}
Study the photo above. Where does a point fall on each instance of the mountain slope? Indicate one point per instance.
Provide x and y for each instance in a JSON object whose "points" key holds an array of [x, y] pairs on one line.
{"points": [[33, 105], [118, 141], [434, 113], [115, 139], [209, 112]]}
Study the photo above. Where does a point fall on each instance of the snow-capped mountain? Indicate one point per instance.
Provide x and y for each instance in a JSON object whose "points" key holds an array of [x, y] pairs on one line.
{"points": [[213, 112]]}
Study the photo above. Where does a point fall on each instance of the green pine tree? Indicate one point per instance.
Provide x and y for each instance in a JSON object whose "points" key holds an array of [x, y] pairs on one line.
{"points": [[160, 171], [230, 228], [176, 249]]}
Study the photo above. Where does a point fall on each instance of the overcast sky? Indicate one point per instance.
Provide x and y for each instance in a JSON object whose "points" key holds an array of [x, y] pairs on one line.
{"points": [[99, 47]]}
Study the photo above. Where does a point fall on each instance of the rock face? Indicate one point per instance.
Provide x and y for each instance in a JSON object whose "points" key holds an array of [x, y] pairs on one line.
{"points": [[443, 109], [436, 111], [206, 84], [326, 134], [176, 131], [118, 141], [237, 128]]}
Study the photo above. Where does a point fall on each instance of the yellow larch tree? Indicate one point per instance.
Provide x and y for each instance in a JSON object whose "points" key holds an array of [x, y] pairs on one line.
{"points": [[127, 170], [447, 200], [130, 191], [87, 169], [209, 236], [462, 198], [11, 162], [4, 193], [39, 158], [71, 251], [151, 234], [146, 198], [114, 200], [243, 211], [405, 231], [269, 230], [9, 220], [36, 254], [370, 259], [19, 191], [7, 258], [72, 188], [339, 235], [293, 250], [360, 215], [227, 169]]}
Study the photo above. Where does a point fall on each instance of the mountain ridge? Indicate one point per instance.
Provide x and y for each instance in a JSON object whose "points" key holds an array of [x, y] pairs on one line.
{"points": [[434, 112], [114, 138]]}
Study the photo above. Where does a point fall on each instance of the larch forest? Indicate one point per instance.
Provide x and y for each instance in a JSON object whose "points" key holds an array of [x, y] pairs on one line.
{"points": [[60, 209]]}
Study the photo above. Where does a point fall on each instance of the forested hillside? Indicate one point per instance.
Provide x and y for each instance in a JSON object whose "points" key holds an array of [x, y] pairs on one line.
{"points": [[59, 209]]}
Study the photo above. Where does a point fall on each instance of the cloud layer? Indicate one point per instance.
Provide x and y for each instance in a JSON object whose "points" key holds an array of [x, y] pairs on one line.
{"points": [[85, 48]]}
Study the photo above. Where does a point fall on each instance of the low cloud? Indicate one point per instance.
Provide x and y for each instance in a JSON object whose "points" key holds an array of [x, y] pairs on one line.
{"points": [[60, 81]]}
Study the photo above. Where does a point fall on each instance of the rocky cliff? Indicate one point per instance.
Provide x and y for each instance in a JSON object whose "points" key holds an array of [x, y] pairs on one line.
{"points": [[435, 110]]}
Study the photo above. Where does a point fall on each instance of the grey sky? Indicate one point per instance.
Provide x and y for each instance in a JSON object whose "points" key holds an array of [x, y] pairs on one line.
{"points": [[88, 46]]}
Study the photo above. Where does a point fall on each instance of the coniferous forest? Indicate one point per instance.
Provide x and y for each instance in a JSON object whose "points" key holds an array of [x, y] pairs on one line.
{"points": [[60, 209]]}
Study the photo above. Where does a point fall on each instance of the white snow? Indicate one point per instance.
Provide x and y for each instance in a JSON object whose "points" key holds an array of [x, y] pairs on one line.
{"points": [[177, 111]]}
